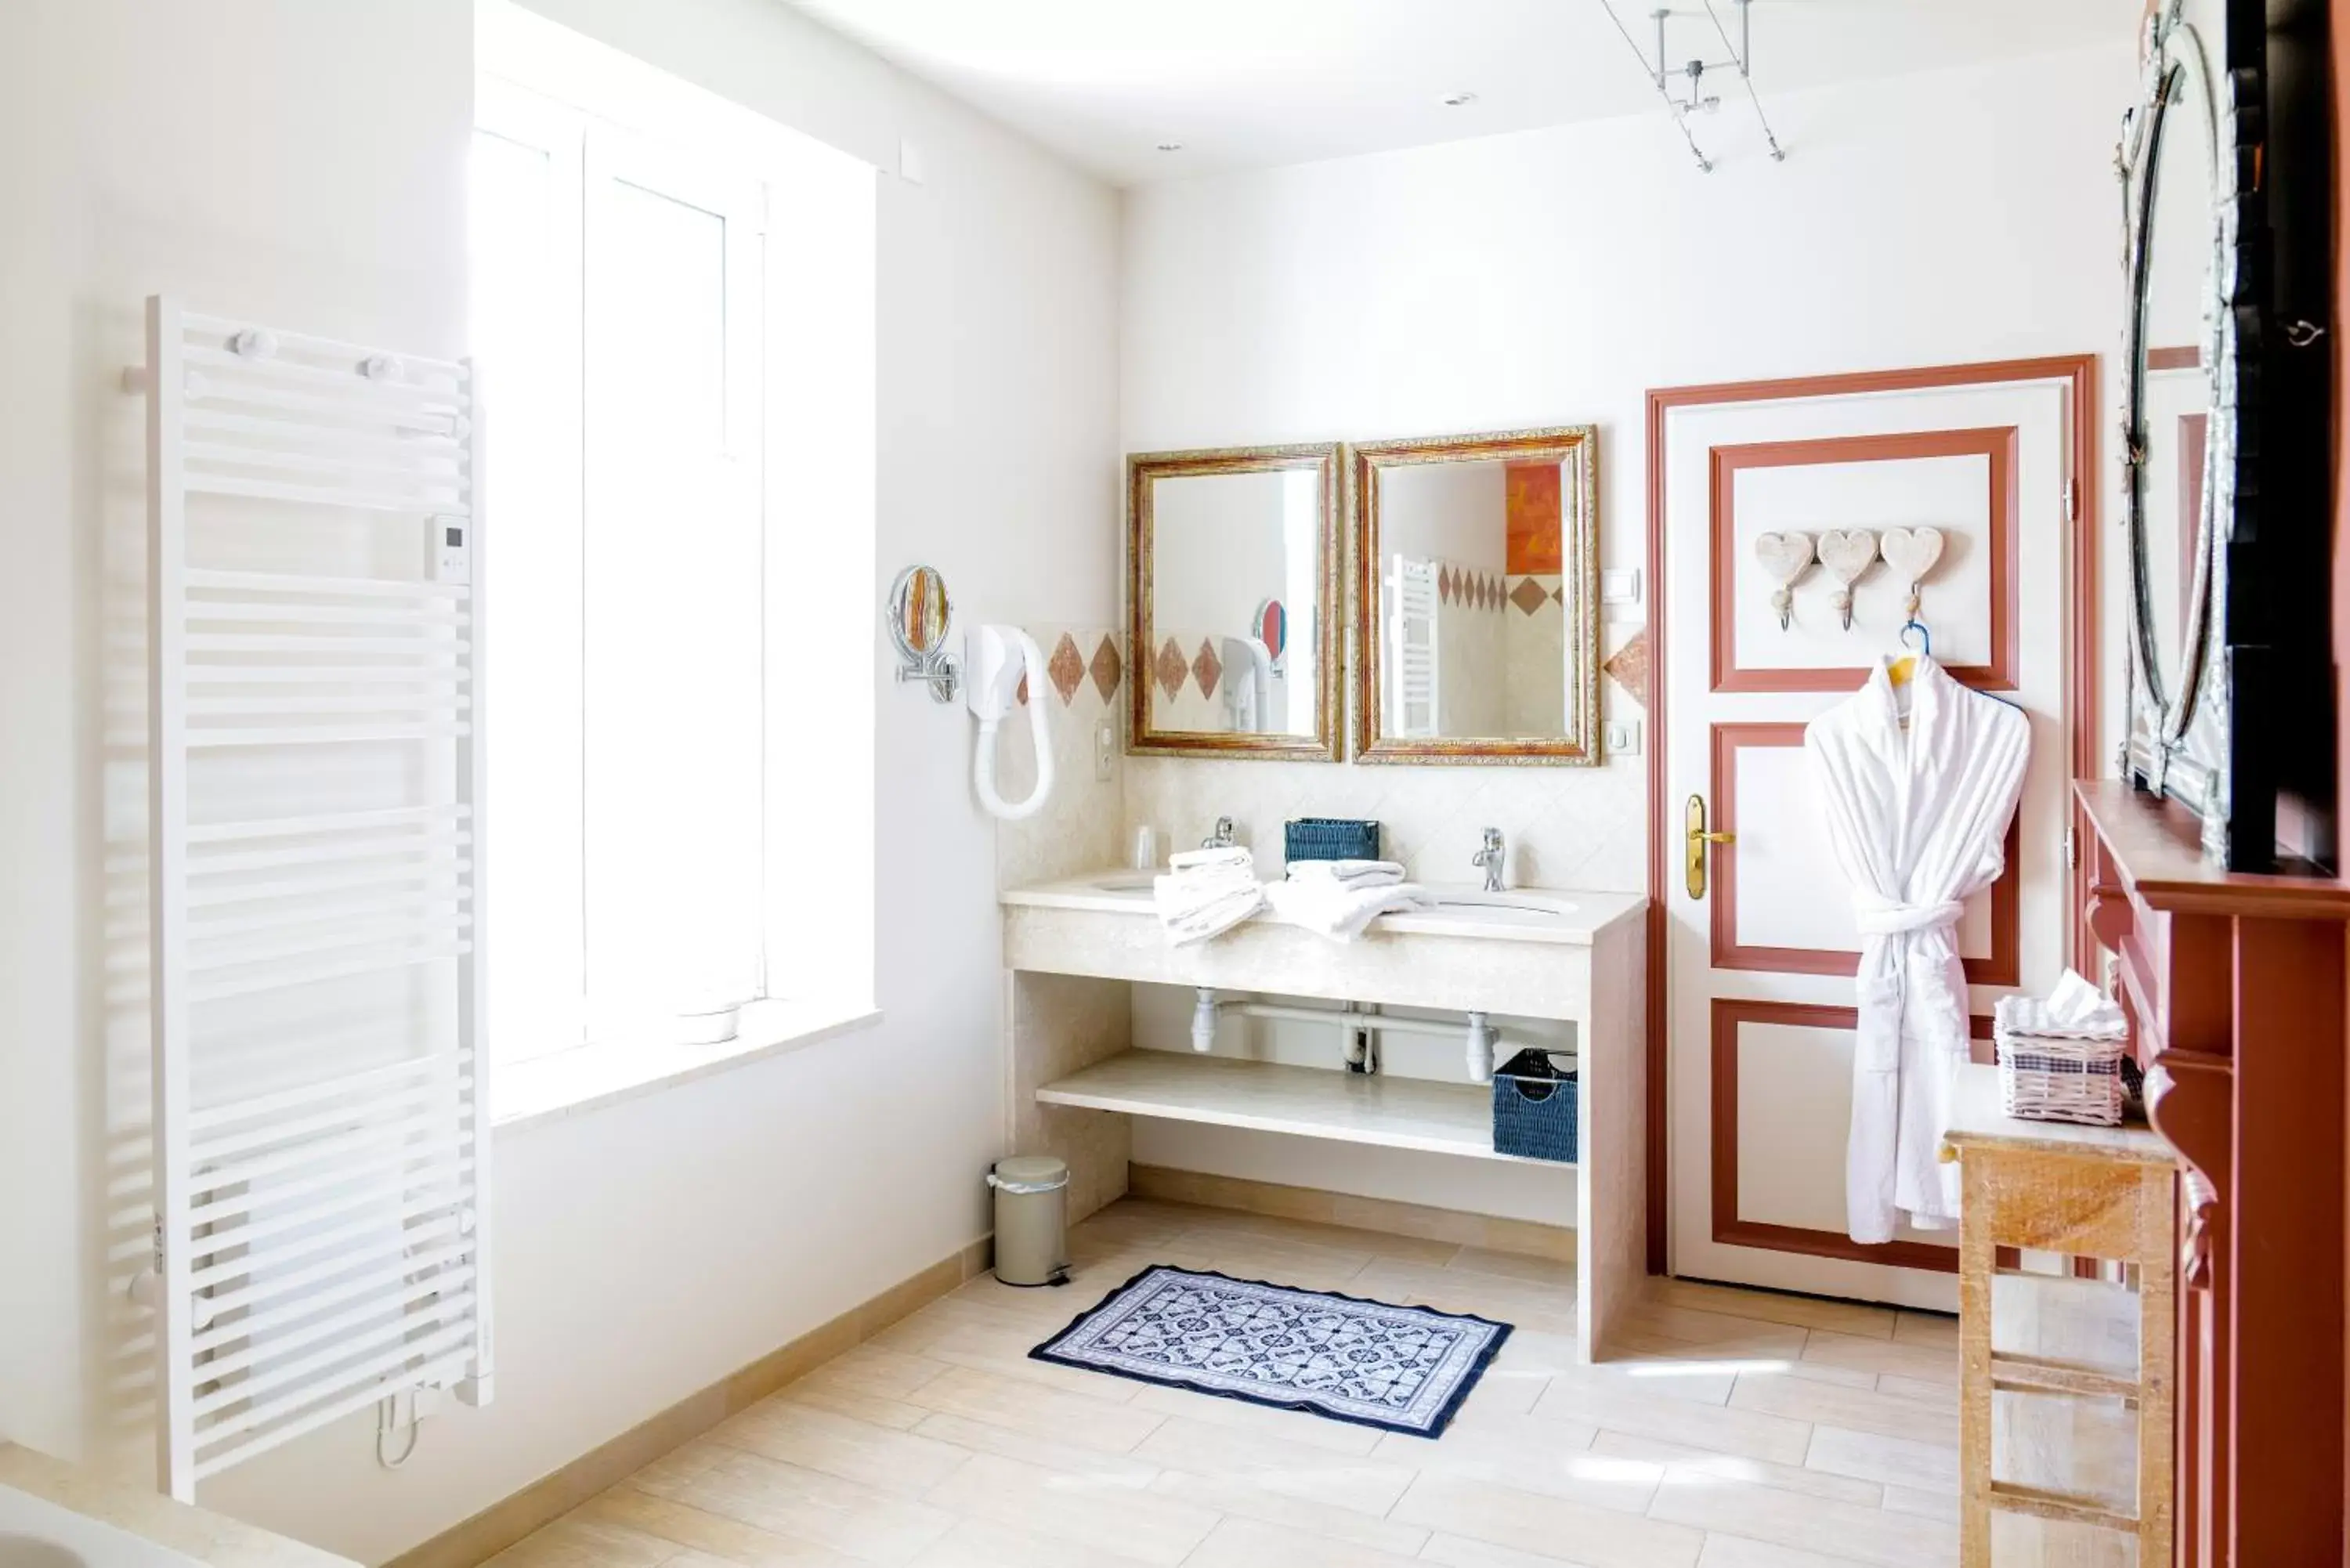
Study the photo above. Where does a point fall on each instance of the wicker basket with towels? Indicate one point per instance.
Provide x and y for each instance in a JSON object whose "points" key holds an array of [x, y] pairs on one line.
{"points": [[2061, 1059]]}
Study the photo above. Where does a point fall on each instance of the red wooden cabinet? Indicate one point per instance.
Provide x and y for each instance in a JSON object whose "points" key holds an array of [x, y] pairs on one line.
{"points": [[2234, 985]]}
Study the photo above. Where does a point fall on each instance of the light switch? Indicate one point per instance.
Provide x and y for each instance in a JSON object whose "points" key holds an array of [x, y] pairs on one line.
{"points": [[1623, 737], [1619, 585], [1105, 750]]}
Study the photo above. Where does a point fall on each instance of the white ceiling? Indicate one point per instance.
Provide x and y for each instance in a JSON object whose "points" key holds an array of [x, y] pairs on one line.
{"points": [[1248, 83]]}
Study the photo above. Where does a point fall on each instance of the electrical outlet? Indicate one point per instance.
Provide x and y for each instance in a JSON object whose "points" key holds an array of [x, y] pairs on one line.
{"points": [[1623, 737], [1105, 750]]}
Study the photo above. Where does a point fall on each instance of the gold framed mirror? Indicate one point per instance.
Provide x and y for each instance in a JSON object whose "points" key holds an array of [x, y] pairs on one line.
{"points": [[1233, 602], [1476, 598]]}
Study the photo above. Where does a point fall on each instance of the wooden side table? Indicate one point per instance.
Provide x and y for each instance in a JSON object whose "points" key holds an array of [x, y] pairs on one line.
{"points": [[2080, 1191]]}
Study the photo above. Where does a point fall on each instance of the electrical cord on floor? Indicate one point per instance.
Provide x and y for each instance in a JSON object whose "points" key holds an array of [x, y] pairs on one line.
{"points": [[384, 1409]]}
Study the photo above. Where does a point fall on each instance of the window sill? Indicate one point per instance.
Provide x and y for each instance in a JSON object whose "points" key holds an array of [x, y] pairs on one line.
{"points": [[565, 1082]]}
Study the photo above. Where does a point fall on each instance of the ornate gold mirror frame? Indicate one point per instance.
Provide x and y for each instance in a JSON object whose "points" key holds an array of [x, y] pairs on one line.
{"points": [[1575, 449], [1325, 636]]}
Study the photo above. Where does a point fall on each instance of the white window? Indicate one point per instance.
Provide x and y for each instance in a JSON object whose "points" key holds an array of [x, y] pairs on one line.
{"points": [[650, 504]]}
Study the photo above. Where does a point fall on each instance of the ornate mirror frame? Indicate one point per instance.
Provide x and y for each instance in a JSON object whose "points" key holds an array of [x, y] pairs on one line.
{"points": [[2179, 736], [1145, 469], [1577, 448]]}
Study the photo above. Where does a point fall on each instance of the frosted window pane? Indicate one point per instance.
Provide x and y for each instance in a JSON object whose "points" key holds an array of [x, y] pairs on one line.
{"points": [[673, 636], [527, 347]]}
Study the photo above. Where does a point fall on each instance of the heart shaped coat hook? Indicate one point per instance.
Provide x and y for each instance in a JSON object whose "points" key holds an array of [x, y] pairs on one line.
{"points": [[1846, 554], [1785, 557], [1911, 553]]}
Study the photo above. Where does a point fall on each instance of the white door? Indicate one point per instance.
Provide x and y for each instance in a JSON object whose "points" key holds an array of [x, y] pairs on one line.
{"points": [[1760, 941]]}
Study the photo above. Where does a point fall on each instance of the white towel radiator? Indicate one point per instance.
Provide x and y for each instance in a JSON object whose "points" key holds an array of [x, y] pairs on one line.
{"points": [[1414, 679], [321, 1164]]}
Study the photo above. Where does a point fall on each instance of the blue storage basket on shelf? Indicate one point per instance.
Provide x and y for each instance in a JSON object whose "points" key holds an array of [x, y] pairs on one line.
{"points": [[1533, 1108], [1330, 838]]}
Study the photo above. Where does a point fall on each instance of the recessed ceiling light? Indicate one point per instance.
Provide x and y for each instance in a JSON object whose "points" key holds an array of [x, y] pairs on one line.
{"points": [[1170, 147], [1459, 99]]}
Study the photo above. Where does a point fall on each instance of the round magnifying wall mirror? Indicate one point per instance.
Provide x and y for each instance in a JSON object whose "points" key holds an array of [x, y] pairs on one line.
{"points": [[2179, 453], [919, 614]]}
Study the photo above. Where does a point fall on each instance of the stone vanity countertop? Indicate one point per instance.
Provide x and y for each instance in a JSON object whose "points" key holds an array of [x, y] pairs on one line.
{"points": [[139, 1510], [1563, 916]]}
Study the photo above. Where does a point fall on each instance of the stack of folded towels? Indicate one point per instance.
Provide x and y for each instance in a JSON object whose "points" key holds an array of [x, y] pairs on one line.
{"points": [[1337, 898], [1206, 892]]}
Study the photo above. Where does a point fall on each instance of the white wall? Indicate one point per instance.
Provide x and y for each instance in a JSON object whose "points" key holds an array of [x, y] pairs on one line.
{"points": [[302, 161], [1456, 512], [212, 150], [1551, 278], [1221, 550]]}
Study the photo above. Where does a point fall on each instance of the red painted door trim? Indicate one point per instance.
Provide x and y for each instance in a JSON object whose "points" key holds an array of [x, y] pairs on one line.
{"points": [[2081, 372]]}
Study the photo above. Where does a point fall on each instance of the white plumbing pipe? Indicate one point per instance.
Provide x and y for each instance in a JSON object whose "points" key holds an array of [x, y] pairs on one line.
{"points": [[1479, 1038], [1348, 1016], [1480, 1041], [1204, 1011]]}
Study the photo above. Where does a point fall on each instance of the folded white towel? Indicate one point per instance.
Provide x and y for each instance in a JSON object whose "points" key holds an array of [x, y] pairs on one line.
{"points": [[1177, 896], [1212, 918], [1226, 855], [1351, 873], [2077, 1004], [1332, 908], [2076, 1010], [1208, 891]]}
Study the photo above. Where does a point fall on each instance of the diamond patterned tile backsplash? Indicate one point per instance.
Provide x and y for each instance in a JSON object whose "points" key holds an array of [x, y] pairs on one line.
{"points": [[1067, 667], [1171, 669], [1207, 668], [1109, 667], [1630, 666], [1079, 828], [1566, 827]]}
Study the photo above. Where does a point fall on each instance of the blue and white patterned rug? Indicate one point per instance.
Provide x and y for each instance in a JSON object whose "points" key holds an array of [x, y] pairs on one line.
{"points": [[1406, 1370]]}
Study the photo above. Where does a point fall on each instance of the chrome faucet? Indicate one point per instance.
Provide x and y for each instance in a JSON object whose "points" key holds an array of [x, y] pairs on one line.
{"points": [[1490, 858], [1221, 838]]}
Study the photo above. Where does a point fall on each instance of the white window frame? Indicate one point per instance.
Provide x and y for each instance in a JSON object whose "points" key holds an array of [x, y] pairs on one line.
{"points": [[801, 410]]}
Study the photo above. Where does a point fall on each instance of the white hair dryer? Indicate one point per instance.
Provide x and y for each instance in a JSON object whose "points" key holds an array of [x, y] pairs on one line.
{"points": [[994, 659]]}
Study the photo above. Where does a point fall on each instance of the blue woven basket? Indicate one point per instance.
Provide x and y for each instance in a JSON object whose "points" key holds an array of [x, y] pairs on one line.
{"points": [[1533, 1108], [1330, 838]]}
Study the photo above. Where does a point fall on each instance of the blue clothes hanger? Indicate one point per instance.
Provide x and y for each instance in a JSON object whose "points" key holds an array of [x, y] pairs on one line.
{"points": [[1905, 668]]}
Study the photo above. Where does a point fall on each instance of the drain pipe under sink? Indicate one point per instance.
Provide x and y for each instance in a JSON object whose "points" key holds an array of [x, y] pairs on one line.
{"points": [[1478, 1035]]}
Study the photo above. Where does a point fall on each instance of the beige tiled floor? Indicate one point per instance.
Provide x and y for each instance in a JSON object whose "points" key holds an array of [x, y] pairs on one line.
{"points": [[1748, 1431]]}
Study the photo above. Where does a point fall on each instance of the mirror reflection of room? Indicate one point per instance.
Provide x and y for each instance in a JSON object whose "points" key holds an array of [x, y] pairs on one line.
{"points": [[1475, 627], [1234, 561], [2178, 330]]}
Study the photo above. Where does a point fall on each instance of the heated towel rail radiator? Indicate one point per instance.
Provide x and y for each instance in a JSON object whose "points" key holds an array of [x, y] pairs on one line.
{"points": [[320, 1163], [1414, 671]]}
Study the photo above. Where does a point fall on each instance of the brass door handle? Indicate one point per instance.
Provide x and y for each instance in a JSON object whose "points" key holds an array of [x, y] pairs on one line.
{"points": [[1696, 838]]}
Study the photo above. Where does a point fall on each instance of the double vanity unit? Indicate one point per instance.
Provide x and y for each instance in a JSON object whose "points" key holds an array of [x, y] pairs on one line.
{"points": [[1477, 960], [1423, 604]]}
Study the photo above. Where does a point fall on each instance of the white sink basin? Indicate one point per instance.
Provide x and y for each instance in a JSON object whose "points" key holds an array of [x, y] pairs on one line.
{"points": [[1505, 909], [1452, 909], [1465, 903]]}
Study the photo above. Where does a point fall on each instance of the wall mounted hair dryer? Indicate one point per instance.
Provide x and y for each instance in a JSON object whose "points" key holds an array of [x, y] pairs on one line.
{"points": [[994, 659]]}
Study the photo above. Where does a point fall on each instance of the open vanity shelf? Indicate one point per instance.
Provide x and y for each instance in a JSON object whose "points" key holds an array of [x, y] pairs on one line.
{"points": [[1080, 1077], [1311, 1102]]}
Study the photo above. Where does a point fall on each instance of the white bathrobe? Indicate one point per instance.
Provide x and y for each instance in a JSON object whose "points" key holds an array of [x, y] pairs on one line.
{"points": [[1918, 820]]}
